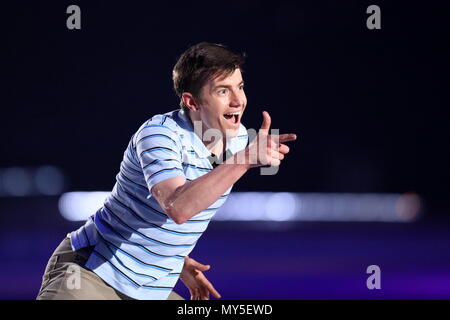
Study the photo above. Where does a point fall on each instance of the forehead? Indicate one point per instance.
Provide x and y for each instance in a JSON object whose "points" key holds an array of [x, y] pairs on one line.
{"points": [[230, 79]]}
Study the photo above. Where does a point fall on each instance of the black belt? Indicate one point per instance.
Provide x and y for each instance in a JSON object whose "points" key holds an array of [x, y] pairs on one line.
{"points": [[82, 255]]}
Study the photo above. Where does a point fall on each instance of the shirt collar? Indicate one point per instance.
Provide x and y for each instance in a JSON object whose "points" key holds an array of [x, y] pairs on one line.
{"points": [[235, 144], [238, 142], [197, 144]]}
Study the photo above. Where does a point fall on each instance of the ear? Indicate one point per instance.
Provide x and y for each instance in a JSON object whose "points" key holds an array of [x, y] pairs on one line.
{"points": [[189, 101]]}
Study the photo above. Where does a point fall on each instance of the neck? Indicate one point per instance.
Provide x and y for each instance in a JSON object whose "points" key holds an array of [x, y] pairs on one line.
{"points": [[214, 145]]}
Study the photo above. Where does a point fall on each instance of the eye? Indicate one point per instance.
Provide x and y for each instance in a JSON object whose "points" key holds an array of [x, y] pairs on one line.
{"points": [[241, 87], [223, 91]]}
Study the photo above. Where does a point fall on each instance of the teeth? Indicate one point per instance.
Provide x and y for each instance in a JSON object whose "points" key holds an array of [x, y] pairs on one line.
{"points": [[233, 114]]}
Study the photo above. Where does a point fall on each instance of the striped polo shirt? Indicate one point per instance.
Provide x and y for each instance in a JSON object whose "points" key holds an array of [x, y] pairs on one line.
{"points": [[138, 249]]}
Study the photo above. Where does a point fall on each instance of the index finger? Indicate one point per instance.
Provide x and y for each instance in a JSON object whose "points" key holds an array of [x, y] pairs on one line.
{"points": [[287, 137], [210, 287], [213, 291]]}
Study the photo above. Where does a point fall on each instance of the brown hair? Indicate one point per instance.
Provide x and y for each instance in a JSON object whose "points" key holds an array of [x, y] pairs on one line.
{"points": [[200, 63]]}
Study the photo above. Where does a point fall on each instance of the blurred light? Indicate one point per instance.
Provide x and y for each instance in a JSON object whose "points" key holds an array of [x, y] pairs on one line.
{"points": [[16, 182], [270, 206], [280, 206], [49, 180], [78, 206], [21, 182], [243, 209], [408, 206]]}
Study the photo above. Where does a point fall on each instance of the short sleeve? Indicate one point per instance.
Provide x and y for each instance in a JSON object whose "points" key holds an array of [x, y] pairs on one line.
{"points": [[158, 148]]}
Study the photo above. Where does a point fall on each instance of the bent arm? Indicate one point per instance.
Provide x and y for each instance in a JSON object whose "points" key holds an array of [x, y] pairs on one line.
{"points": [[182, 200]]}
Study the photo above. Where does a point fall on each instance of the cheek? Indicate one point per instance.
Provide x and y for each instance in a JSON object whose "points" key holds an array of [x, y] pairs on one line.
{"points": [[212, 118], [244, 99]]}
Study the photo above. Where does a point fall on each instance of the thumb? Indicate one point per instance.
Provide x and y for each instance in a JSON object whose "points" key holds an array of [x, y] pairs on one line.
{"points": [[199, 266], [266, 121]]}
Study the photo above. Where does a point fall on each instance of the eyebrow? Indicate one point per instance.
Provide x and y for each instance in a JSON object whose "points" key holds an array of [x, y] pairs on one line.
{"points": [[226, 86]]}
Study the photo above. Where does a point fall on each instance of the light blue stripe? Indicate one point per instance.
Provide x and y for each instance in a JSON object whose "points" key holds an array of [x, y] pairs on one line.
{"points": [[159, 160], [156, 135], [131, 181], [148, 238], [164, 171], [157, 149], [125, 277], [156, 125], [128, 269], [140, 262], [195, 167], [155, 225]]}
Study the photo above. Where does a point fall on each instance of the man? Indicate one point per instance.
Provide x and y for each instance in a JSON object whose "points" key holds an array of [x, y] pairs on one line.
{"points": [[178, 169]]}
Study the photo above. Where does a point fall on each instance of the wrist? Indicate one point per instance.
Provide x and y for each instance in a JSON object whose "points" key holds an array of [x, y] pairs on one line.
{"points": [[241, 159]]}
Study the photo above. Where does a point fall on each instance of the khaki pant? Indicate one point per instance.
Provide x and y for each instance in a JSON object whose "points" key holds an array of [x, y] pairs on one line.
{"points": [[58, 282]]}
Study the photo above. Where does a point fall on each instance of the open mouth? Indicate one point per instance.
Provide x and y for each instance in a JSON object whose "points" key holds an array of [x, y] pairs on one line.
{"points": [[232, 117]]}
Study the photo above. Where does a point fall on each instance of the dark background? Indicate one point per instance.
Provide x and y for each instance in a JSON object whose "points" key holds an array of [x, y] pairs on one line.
{"points": [[370, 108]]}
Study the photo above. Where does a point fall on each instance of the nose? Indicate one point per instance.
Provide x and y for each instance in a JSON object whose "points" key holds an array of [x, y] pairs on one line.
{"points": [[236, 100]]}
